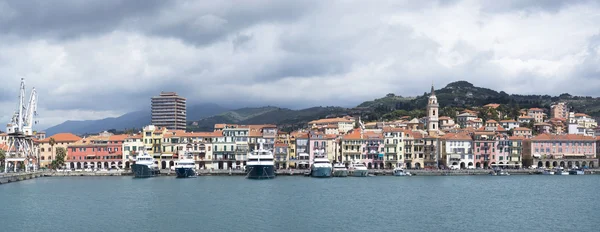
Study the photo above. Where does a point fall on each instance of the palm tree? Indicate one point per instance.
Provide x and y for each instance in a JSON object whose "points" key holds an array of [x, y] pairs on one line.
{"points": [[52, 142]]}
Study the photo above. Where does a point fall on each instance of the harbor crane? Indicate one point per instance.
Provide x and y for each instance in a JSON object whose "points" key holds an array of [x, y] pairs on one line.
{"points": [[21, 150]]}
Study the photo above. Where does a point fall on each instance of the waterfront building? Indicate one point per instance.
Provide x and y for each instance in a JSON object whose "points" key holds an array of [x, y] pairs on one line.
{"points": [[474, 123], [458, 150], [344, 124], [281, 155], [225, 146], [409, 146], [317, 145], [169, 111], [559, 110], [515, 150], [169, 148], [418, 149], [292, 155], [432, 152], [484, 148], [502, 147], [537, 114], [302, 151], [199, 145], [48, 152], [393, 145], [269, 134], [102, 151], [564, 150], [152, 137], [132, 145]]}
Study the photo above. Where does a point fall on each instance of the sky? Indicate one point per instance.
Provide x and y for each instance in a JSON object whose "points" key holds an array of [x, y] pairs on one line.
{"points": [[97, 59]]}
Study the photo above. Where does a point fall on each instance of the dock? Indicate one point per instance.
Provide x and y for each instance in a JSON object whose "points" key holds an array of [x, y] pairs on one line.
{"points": [[14, 177]]}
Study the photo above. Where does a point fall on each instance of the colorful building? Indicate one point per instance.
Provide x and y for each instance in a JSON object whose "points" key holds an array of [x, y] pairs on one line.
{"points": [[458, 150], [563, 150], [48, 152]]}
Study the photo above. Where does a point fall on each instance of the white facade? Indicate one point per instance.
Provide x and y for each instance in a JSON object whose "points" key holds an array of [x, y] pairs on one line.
{"points": [[131, 147], [464, 118], [509, 124], [459, 153]]}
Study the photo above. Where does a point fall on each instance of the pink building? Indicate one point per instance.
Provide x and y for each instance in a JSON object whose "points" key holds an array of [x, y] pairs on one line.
{"points": [[484, 148], [373, 149], [317, 145], [502, 146], [549, 150]]}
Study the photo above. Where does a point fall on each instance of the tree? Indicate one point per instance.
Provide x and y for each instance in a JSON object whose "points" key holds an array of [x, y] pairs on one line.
{"points": [[61, 154], [2, 158], [52, 142]]}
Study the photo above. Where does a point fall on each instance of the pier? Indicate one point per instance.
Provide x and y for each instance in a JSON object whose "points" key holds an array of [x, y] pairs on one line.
{"points": [[14, 177]]}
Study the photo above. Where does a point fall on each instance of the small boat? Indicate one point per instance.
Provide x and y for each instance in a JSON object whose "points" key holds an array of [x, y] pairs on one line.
{"points": [[185, 167], [144, 166], [547, 172], [576, 172], [358, 169], [561, 171], [400, 172], [340, 170]]}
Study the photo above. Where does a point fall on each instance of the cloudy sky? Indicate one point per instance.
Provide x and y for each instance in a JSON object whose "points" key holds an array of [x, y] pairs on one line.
{"points": [[94, 59]]}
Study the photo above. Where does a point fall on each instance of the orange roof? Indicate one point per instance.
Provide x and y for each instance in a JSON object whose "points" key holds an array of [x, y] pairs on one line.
{"points": [[136, 136], [499, 128], [353, 135], [279, 144], [202, 134], [220, 126], [3, 134], [444, 118], [302, 135], [544, 137], [457, 136], [3, 147], [121, 137], [508, 121], [372, 135], [61, 138], [174, 133], [492, 121], [522, 129], [517, 137], [581, 115], [535, 109]]}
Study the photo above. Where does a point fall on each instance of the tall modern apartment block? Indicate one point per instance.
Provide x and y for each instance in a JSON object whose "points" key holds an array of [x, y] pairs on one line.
{"points": [[168, 110]]}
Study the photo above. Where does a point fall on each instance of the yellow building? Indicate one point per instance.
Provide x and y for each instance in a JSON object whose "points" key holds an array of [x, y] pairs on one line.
{"points": [[394, 144], [152, 137]]}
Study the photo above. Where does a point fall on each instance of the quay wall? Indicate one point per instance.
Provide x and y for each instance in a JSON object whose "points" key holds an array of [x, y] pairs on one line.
{"points": [[14, 177]]}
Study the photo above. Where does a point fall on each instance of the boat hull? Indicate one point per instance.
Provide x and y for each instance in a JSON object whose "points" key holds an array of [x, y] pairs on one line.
{"points": [[360, 173], [143, 171], [185, 172], [320, 172], [340, 173], [400, 174], [576, 172], [260, 172]]}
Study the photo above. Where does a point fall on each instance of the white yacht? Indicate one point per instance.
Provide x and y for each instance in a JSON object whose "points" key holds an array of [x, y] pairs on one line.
{"points": [[144, 166], [400, 172], [358, 169], [185, 166], [340, 170], [261, 164], [321, 166]]}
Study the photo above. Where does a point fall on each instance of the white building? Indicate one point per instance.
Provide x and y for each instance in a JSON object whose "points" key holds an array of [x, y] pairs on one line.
{"points": [[131, 147], [463, 118], [459, 151], [509, 124]]}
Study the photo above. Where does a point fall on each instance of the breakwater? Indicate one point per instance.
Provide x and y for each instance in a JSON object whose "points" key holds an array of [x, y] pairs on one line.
{"points": [[14, 177]]}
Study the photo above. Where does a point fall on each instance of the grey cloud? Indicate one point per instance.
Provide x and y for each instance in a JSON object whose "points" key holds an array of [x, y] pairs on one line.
{"points": [[552, 6], [71, 18]]}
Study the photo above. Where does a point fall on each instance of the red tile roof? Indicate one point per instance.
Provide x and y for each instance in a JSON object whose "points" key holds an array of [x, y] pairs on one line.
{"points": [[457, 136], [521, 129], [544, 137], [62, 138]]}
